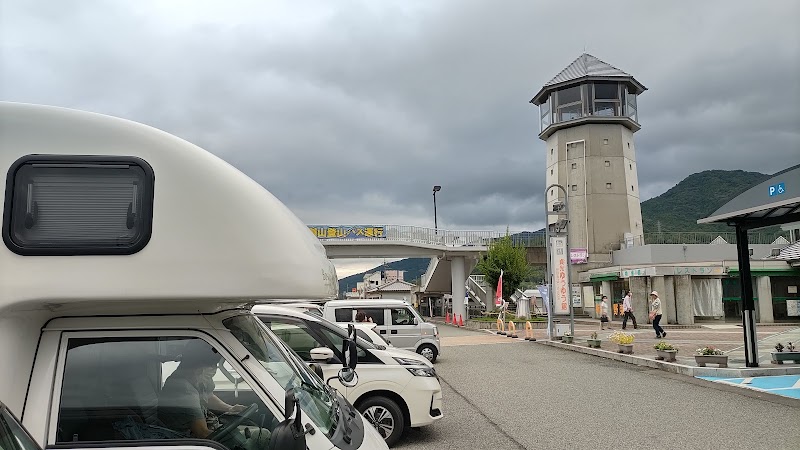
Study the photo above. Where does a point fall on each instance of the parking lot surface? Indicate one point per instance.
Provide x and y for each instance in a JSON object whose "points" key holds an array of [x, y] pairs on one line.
{"points": [[522, 395]]}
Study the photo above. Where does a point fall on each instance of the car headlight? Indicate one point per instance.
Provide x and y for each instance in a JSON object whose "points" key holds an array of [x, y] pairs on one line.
{"points": [[416, 367], [409, 362], [422, 371]]}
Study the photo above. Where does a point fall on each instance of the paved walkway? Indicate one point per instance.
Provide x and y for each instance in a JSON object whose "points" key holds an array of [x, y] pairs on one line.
{"points": [[728, 337]]}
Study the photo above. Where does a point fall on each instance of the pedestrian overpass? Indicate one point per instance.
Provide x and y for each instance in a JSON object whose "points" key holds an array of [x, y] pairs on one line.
{"points": [[453, 253]]}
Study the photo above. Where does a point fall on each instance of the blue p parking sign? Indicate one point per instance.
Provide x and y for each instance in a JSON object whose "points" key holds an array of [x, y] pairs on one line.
{"points": [[777, 189]]}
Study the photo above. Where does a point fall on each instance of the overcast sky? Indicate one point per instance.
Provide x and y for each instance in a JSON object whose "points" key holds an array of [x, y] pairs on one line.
{"points": [[350, 111]]}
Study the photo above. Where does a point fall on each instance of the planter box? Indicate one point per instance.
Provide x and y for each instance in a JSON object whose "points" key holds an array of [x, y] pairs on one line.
{"points": [[568, 339], [666, 355], [625, 348], [593, 343], [780, 357], [702, 360]]}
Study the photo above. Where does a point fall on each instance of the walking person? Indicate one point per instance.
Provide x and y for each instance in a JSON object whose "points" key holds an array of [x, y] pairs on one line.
{"points": [[604, 313], [627, 309], [655, 314]]}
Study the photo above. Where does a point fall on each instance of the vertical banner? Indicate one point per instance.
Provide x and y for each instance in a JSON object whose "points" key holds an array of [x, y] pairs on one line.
{"points": [[499, 294], [561, 291], [544, 291]]}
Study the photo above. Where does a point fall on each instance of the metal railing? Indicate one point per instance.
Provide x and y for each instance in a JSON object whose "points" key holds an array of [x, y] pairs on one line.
{"points": [[431, 236], [479, 279], [704, 237]]}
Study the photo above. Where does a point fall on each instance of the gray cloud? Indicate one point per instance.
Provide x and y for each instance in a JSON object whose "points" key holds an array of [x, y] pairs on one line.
{"points": [[350, 111]]}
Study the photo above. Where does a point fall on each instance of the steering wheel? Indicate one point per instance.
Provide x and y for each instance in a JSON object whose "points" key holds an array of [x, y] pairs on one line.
{"points": [[233, 424]]}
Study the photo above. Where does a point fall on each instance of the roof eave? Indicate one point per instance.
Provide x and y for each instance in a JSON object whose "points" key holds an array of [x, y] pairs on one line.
{"points": [[538, 99], [741, 215]]}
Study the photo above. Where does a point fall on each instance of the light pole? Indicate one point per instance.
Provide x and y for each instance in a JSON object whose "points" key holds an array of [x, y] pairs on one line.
{"points": [[561, 227], [435, 220]]}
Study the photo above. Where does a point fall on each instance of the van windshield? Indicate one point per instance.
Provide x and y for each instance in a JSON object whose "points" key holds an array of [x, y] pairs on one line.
{"points": [[315, 400]]}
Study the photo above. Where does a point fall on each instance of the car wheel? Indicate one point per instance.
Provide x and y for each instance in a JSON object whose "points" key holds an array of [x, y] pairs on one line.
{"points": [[429, 352], [385, 415]]}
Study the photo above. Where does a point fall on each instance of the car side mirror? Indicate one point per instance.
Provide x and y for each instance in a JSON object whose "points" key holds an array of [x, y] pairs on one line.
{"points": [[349, 348], [416, 322], [322, 354], [289, 434]]}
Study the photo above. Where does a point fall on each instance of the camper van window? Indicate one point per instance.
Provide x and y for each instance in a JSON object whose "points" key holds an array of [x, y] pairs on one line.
{"points": [[78, 205], [154, 387]]}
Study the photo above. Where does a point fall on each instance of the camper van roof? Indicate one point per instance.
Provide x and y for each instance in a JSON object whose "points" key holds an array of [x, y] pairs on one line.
{"points": [[217, 237]]}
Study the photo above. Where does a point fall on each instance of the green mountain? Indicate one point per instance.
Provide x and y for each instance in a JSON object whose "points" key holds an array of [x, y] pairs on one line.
{"points": [[696, 197], [414, 269]]}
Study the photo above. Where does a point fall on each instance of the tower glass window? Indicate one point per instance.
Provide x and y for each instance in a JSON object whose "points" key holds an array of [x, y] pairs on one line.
{"points": [[569, 104], [606, 99], [544, 114], [630, 108]]}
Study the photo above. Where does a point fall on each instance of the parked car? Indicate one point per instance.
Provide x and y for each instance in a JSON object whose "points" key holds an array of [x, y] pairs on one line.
{"points": [[369, 332], [395, 319], [311, 308], [395, 389]]}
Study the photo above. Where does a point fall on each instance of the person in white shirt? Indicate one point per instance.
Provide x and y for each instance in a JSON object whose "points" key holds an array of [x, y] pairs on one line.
{"points": [[655, 314], [604, 313], [627, 309]]}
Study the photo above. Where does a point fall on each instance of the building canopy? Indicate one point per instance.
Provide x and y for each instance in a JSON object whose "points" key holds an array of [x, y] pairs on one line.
{"points": [[772, 202]]}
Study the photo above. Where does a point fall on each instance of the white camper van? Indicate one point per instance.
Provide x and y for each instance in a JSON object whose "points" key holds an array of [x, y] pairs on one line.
{"points": [[127, 268]]}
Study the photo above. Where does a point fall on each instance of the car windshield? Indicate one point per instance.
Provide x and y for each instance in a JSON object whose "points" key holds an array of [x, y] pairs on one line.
{"points": [[315, 400]]}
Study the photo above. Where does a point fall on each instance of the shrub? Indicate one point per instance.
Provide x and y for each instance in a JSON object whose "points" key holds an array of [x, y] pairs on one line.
{"points": [[663, 345], [621, 338], [594, 335], [710, 350], [779, 347]]}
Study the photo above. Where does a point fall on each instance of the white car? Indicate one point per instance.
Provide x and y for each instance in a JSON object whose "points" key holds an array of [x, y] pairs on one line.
{"points": [[396, 319], [396, 389], [311, 308], [369, 332]]}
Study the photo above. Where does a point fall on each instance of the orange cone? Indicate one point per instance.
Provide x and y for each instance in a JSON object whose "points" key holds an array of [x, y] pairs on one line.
{"points": [[447, 318], [460, 320]]}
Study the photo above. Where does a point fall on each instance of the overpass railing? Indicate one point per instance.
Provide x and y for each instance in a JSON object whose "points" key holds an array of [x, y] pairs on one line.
{"points": [[422, 235]]}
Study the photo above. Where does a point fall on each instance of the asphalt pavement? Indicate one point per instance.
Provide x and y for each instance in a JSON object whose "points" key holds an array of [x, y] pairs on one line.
{"points": [[515, 394]]}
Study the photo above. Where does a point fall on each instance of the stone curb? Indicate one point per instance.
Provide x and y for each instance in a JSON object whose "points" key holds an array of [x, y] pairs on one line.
{"points": [[681, 369]]}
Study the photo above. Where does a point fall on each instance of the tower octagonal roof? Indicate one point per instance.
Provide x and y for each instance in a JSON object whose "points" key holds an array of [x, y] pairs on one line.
{"points": [[585, 68]]}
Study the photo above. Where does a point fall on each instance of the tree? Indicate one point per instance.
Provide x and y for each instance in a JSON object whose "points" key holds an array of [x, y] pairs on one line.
{"points": [[504, 255]]}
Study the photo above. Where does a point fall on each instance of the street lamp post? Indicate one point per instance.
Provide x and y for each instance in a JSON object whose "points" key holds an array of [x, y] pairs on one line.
{"points": [[561, 211], [435, 220]]}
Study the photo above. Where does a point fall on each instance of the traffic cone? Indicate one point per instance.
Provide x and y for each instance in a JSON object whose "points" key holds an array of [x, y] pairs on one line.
{"points": [[447, 318], [460, 320]]}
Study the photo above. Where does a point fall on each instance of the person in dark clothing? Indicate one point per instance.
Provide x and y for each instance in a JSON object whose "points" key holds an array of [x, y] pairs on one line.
{"points": [[627, 310], [187, 400]]}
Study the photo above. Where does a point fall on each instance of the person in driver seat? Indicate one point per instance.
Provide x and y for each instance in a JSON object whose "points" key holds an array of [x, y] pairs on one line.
{"points": [[187, 401]]}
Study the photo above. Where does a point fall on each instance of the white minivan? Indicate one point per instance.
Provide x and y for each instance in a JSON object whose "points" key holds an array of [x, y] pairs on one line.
{"points": [[397, 320], [128, 266], [396, 389]]}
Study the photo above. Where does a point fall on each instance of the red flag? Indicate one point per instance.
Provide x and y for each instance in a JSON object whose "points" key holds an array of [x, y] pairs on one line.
{"points": [[499, 296]]}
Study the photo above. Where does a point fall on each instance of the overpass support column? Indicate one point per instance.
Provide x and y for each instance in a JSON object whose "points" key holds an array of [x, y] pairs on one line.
{"points": [[458, 277]]}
